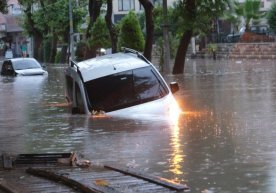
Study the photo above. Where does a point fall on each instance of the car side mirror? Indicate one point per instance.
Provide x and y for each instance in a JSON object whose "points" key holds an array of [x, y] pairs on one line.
{"points": [[43, 66], [174, 87]]}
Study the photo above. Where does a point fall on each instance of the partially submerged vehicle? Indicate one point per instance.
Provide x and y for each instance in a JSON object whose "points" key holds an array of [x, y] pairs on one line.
{"points": [[22, 66], [123, 83]]}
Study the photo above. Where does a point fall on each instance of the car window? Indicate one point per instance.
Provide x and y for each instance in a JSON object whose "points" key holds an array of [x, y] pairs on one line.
{"points": [[124, 89], [25, 64], [147, 85]]}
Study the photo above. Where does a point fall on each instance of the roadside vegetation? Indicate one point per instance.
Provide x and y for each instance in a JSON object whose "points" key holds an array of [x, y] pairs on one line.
{"points": [[271, 18], [47, 21]]}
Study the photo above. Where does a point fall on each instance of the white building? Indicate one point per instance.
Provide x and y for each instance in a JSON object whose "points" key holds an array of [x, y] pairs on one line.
{"points": [[265, 4], [122, 7], [11, 33]]}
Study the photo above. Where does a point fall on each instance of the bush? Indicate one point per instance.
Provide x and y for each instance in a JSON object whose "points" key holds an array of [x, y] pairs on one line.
{"points": [[81, 50], [58, 57], [271, 18], [100, 35], [131, 35]]}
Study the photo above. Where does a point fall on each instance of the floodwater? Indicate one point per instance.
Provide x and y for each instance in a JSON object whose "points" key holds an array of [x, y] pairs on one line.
{"points": [[224, 140]]}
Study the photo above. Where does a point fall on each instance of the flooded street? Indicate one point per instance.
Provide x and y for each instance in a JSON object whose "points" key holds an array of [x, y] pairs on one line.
{"points": [[224, 140]]}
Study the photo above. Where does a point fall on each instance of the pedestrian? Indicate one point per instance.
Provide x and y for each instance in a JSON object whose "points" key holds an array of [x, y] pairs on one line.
{"points": [[24, 50]]}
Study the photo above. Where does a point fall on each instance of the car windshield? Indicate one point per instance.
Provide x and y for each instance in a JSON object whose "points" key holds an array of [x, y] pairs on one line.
{"points": [[25, 64], [125, 89]]}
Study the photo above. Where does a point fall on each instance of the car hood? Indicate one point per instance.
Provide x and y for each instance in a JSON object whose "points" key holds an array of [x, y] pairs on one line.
{"points": [[31, 72], [161, 107]]}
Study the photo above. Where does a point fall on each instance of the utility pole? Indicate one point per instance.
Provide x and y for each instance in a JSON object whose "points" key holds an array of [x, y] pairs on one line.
{"points": [[72, 53], [166, 45]]}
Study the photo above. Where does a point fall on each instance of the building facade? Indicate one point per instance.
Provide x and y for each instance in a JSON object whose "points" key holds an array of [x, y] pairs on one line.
{"points": [[122, 7], [11, 33]]}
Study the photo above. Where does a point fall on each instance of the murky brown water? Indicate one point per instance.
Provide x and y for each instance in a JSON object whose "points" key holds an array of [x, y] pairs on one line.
{"points": [[224, 140]]}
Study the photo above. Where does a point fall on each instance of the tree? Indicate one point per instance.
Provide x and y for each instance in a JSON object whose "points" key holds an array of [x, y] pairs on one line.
{"points": [[113, 29], [49, 22], [249, 11], [231, 16], [148, 6], [3, 6], [271, 18], [94, 9], [29, 25], [131, 35], [194, 17], [100, 35]]}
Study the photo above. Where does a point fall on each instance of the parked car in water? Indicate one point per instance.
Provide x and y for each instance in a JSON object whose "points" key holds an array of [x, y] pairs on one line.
{"points": [[124, 83], [235, 37], [22, 66]]}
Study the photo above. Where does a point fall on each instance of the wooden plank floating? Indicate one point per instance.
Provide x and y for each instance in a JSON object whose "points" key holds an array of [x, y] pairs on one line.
{"points": [[60, 172], [157, 180], [59, 178], [9, 188]]}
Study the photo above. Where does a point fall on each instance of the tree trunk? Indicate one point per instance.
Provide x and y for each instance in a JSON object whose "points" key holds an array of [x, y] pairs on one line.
{"points": [[94, 7], [53, 49], [63, 58], [37, 45], [111, 27], [179, 62], [148, 6], [37, 36]]}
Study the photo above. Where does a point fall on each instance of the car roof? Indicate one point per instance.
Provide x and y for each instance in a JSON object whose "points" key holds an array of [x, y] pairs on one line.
{"points": [[109, 64], [19, 59]]}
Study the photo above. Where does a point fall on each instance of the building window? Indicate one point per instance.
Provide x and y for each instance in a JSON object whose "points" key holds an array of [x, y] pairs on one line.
{"points": [[141, 6], [262, 4], [2, 27], [126, 5]]}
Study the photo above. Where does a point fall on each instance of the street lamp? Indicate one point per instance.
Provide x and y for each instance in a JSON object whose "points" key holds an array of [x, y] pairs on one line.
{"points": [[72, 53], [166, 45]]}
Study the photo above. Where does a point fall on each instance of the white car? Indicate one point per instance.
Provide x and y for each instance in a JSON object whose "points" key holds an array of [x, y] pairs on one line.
{"points": [[124, 83], [22, 66]]}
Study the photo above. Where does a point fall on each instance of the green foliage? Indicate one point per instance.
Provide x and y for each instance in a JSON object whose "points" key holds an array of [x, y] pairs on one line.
{"points": [[271, 18], [231, 16], [50, 18], [197, 15], [3, 6], [80, 50], [131, 35], [249, 11], [159, 21], [58, 57], [53, 17], [100, 35], [212, 48], [47, 50]]}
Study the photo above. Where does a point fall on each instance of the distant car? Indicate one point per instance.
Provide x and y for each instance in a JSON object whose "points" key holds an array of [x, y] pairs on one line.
{"points": [[235, 37], [22, 66], [8, 54], [124, 83], [260, 29]]}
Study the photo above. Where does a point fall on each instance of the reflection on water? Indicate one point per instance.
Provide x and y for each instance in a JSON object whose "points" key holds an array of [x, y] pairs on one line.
{"points": [[223, 141], [177, 155]]}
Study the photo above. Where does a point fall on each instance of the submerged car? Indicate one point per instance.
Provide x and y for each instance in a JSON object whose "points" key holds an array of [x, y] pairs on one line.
{"points": [[22, 66], [121, 83]]}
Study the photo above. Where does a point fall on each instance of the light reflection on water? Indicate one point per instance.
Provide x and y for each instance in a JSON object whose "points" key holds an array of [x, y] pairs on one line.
{"points": [[223, 141]]}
